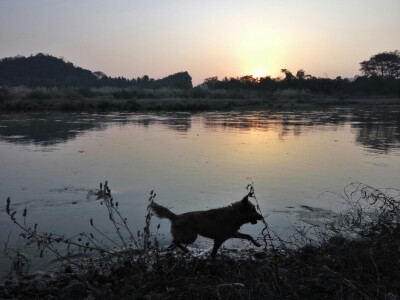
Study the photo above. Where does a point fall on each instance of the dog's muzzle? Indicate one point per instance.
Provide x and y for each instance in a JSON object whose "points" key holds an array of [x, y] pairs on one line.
{"points": [[259, 217]]}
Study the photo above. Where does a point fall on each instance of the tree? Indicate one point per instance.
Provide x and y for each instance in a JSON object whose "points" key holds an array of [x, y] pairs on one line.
{"points": [[301, 75], [385, 64], [288, 75], [211, 81], [99, 75]]}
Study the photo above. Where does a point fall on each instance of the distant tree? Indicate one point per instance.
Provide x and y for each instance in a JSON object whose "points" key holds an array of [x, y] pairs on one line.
{"points": [[180, 80], [301, 74], [385, 64], [99, 75], [267, 83], [211, 81], [143, 81], [288, 74]]}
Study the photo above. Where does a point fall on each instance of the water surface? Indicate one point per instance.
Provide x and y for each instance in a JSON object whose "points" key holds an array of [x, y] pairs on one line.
{"points": [[49, 162]]}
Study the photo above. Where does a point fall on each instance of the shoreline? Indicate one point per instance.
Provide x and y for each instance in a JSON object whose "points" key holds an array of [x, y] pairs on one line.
{"points": [[188, 105], [131, 100], [336, 268]]}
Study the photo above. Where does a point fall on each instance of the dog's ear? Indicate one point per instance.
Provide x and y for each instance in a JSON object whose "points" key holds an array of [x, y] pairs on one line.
{"points": [[245, 199]]}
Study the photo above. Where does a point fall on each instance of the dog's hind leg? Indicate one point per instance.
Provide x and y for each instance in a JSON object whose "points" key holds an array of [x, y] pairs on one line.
{"points": [[240, 235], [172, 246], [179, 245], [217, 244], [183, 235]]}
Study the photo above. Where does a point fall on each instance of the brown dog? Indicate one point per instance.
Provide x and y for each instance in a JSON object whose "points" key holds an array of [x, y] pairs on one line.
{"points": [[218, 224]]}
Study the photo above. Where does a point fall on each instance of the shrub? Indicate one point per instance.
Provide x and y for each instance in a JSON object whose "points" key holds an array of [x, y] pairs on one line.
{"points": [[134, 93], [72, 105], [4, 94], [87, 93], [38, 95], [294, 94], [197, 93], [123, 94], [132, 105], [103, 105]]}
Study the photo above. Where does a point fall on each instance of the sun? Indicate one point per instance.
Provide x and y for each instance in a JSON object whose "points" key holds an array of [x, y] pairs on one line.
{"points": [[258, 73]]}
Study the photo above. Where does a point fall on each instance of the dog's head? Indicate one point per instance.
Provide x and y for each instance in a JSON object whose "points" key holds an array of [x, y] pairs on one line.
{"points": [[249, 211]]}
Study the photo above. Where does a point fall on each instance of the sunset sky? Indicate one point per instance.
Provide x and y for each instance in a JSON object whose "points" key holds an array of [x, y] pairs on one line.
{"points": [[206, 38]]}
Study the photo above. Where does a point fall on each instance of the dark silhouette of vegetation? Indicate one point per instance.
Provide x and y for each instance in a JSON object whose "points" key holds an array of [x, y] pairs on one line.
{"points": [[47, 70], [384, 65], [341, 87], [43, 69], [180, 80], [53, 84], [4, 94], [381, 77]]}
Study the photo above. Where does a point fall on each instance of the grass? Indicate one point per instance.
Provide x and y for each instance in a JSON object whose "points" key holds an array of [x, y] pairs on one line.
{"points": [[23, 98], [355, 257]]}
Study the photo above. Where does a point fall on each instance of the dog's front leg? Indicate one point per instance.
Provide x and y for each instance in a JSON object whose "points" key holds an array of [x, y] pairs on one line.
{"points": [[240, 235]]}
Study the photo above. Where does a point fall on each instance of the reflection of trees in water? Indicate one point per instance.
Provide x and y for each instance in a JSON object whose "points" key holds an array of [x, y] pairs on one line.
{"points": [[378, 131], [45, 129], [379, 137], [284, 123], [50, 129], [181, 122]]}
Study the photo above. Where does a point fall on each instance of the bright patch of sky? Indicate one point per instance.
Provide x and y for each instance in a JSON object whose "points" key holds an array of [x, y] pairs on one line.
{"points": [[206, 38]]}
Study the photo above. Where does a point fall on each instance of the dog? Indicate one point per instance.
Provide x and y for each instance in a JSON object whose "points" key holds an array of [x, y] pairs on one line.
{"points": [[218, 224]]}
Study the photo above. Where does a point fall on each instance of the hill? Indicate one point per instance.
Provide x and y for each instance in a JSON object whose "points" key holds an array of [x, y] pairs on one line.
{"points": [[47, 70]]}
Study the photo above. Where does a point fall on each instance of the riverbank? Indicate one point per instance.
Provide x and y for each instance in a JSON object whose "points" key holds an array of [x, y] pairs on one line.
{"points": [[136, 99], [338, 268], [355, 257]]}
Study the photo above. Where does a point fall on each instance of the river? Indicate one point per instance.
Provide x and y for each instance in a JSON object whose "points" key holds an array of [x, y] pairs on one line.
{"points": [[50, 161]]}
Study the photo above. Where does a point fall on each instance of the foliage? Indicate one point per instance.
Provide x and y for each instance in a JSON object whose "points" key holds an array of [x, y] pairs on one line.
{"points": [[134, 93], [360, 86], [43, 69], [384, 65], [38, 95], [381, 76], [4, 94], [87, 93], [128, 246], [46, 70]]}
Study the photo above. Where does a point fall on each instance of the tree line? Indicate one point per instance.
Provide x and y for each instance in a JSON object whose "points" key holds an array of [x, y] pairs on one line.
{"points": [[380, 76]]}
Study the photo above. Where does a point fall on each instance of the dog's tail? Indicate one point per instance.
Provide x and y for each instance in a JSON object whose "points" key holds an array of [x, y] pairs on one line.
{"points": [[163, 212]]}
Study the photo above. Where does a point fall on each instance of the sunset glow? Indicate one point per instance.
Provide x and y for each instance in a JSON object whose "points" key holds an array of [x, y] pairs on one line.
{"points": [[259, 73], [234, 38]]}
